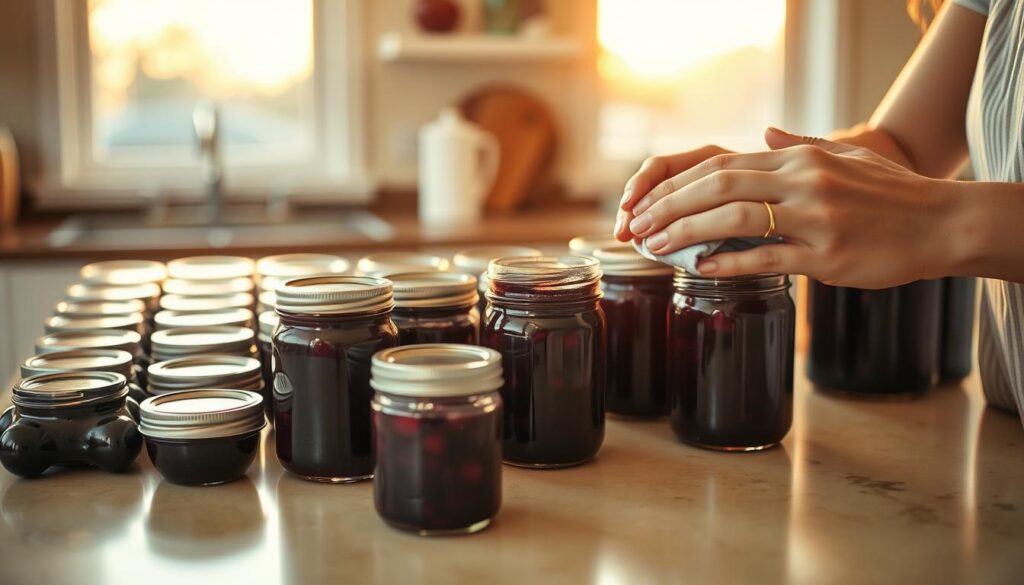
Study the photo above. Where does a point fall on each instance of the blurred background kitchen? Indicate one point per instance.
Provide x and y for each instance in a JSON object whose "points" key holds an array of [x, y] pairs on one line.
{"points": [[151, 129]]}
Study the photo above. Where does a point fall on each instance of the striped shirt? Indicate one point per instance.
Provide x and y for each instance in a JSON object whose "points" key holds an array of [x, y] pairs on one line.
{"points": [[995, 136]]}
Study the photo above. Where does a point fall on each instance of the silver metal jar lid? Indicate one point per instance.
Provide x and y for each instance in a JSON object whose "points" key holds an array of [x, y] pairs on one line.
{"points": [[413, 290], [186, 341], [268, 322], [123, 272], [586, 245], [475, 260], [92, 338], [323, 295], [284, 266], [202, 414], [130, 322], [208, 288], [85, 292], [99, 308], [387, 263], [69, 389], [204, 371], [190, 304], [79, 360], [232, 317], [436, 370], [210, 267], [266, 301], [625, 261]]}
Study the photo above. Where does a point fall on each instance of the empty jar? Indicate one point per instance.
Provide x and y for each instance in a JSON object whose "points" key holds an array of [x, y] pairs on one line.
{"points": [[435, 307]]}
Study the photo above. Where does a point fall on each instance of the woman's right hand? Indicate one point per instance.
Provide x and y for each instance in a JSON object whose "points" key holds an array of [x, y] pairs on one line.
{"points": [[655, 176]]}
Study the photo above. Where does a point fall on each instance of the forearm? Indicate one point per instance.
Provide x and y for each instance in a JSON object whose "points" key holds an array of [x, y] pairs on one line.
{"points": [[876, 140], [984, 231]]}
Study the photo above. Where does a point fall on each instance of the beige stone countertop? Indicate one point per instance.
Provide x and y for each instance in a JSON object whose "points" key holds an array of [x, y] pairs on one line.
{"points": [[923, 491]]}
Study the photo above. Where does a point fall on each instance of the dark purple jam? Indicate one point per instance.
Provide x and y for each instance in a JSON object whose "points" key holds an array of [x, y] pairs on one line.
{"points": [[451, 325], [730, 363], [875, 342], [203, 461]]}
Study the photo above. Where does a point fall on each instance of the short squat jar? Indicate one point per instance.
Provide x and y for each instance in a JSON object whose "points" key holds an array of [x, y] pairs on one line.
{"points": [[438, 417], [544, 318], [637, 296], [204, 436], [730, 363], [330, 328], [435, 307], [69, 419]]}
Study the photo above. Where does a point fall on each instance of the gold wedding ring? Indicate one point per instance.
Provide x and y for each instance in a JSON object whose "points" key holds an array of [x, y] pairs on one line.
{"points": [[771, 221]]}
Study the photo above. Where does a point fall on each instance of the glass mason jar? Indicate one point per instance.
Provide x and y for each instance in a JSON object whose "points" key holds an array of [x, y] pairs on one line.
{"points": [[205, 371], [959, 304], [268, 321], [435, 307], [637, 296], [474, 261], [544, 318], [129, 341], [730, 362], [875, 342], [330, 328], [437, 412]]}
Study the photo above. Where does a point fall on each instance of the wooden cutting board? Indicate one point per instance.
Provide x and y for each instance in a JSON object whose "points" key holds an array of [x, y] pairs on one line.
{"points": [[525, 130]]}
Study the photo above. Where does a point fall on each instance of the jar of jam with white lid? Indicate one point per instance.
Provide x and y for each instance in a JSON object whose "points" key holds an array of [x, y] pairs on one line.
{"points": [[188, 341], [204, 436], [387, 263], [438, 416], [205, 371], [208, 288], [69, 419], [544, 318], [211, 268], [435, 307], [474, 261], [123, 272], [148, 293], [197, 304], [232, 317], [637, 296], [268, 321], [330, 327], [730, 362]]}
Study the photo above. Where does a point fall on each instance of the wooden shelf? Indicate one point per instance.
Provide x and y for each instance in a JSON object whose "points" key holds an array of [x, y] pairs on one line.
{"points": [[466, 48]]}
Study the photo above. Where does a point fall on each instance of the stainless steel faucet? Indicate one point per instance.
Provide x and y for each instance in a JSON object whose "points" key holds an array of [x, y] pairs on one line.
{"points": [[206, 121]]}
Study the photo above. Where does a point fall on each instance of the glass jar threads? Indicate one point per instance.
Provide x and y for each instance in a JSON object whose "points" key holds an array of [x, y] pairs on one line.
{"points": [[730, 362], [435, 307], [474, 261], [387, 263], [438, 417], [330, 327], [637, 297], [544, 318]]}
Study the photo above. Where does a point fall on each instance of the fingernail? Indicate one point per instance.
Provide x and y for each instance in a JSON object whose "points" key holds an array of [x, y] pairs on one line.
{"points": [[642, 205], [626, 195], [657, 241], [618, 226], [707, 267], [641, 224]]}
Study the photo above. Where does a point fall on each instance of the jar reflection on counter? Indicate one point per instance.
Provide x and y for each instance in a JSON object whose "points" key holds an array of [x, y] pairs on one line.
{"points": [[730, 363], [330, 327], [435, 307], [544, 318]]}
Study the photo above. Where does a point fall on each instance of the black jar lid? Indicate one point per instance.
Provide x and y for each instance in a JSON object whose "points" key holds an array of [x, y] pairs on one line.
{"points": [[208, 413], [69, 389], [185, 341], [130, 322], [186, 304], [475, 260], [210, 267], [99, 308], [330, 294], [624, 260], [205, 371], [268, 322], [436, 370], [86, 292], [122, 339], [123, 272], [387, 263], [208, 288], [79, 360], [422, 290], [233, 317]]}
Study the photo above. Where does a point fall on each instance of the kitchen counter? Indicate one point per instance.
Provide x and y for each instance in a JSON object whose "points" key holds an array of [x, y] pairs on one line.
{"points": [[923, 491]]}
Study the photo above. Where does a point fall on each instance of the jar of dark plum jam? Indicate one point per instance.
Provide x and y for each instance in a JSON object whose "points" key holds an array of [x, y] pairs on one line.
{"points": [[730, 362], [330, 328], [637, 295], [544, 318], [435, 307], [883, 342], [437, 413]]}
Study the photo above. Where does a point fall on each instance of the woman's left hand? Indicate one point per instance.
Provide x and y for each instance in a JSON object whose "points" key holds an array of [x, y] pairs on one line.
{"points": [[847, 216]]}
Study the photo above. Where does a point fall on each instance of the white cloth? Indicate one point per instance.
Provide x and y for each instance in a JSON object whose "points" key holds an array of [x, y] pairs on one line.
{"points": [[689, 257]]}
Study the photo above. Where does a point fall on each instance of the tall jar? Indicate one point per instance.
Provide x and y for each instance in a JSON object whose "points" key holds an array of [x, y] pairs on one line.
{"points": [[544, 318], [474, 261], [329, 330], [730, 362], [637, 295], [435, 307], [875, 342], [437, 413]]}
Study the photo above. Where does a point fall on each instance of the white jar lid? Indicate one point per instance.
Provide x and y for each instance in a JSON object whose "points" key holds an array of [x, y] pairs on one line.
{"points": [[78, 360], [330, 294], [625, 261], [475, 260], [201, 414], [387, 263], [208, 288], [92, 338], [186, 341], [436, 370], [415, 290], [86, 292], [233, 317], [284, 266], [266, 301], [123, 272], [587, 244], [130, 322], [190, 304], [268, 322], [99, 308], [204, 371], [210, 267]]}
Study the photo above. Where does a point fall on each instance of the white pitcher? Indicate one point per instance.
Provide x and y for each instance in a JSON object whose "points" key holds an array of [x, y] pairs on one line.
{"points": [[458, 164]]}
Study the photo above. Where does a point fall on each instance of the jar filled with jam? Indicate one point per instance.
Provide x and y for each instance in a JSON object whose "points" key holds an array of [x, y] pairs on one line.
{"points": [[637, 296], [883, 342], [544, 318], [330, 327], [387, 263], [474, 261], [435, 307], [437, 412], [730, 361]]}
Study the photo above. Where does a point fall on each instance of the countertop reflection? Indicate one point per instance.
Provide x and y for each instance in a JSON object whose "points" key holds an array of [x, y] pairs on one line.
{"points": [[930, 490]]}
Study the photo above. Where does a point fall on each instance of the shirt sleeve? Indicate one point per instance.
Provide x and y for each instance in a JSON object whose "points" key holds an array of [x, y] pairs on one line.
{"points": [[979, 6]]}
